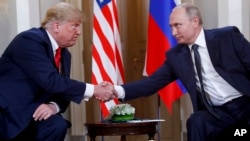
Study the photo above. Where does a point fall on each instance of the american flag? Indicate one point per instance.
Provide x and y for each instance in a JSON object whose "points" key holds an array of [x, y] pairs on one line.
{"points": [[107, 63]]}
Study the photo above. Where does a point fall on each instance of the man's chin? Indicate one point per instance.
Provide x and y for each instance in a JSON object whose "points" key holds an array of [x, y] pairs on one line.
{"points": [[71, 44], [179, 42]]}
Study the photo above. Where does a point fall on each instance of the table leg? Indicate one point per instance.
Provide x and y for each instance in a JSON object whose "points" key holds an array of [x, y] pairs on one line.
{"points": [[123, 137], [92, 138], [151, 137]]}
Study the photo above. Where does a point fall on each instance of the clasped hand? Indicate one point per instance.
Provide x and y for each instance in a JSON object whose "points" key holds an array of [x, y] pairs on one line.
{"points": [[104, 91]]}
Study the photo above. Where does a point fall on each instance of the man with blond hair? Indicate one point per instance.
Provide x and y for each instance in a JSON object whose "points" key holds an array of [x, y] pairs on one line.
{"points": [[35, 88]]}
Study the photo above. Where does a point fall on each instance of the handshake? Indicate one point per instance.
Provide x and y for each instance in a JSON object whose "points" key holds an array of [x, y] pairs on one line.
{"points": [[104, 91]]}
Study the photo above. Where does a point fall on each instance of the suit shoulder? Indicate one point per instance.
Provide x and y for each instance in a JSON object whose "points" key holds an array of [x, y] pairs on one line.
{"points": [[35, 34], [225, 30], [32, 31], [176, 49]]}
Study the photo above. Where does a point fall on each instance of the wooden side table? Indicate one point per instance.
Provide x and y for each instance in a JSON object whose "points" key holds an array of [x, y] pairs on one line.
{"points": [[121, 129]]}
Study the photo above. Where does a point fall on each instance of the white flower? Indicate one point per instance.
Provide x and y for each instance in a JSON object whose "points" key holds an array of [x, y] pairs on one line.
{"points": [[122, 109]]}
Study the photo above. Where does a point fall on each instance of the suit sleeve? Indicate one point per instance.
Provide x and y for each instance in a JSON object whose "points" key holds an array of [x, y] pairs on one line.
{"points": [[61, 102], [31, 55], [242, 48]]}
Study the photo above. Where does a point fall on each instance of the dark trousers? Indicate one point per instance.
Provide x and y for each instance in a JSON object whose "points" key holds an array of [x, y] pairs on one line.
{"points": [[234, 116], [52, 129]]}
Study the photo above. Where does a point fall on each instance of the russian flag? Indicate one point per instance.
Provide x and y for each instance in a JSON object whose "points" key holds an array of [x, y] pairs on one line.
{"points": [[159, 40]]}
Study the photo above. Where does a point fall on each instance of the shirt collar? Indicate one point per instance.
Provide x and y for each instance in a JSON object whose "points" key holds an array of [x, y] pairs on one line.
{"points": [[53, 42], [201, 39]]}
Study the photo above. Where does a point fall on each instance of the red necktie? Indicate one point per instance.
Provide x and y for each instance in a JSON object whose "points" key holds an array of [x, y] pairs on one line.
{"points": [[58, 57]]}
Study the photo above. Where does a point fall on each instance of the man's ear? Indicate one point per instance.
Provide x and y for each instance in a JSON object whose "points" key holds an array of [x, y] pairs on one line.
{"points": [[195, 21], [55, 26]]}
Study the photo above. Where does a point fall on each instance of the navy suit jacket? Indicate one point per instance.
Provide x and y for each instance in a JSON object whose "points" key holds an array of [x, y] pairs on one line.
{"points": [[28, 78], [229, 52]]}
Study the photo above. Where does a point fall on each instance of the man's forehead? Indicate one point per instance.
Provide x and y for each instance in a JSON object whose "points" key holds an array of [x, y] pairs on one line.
{"points": [[179, 10], [178, 13]]}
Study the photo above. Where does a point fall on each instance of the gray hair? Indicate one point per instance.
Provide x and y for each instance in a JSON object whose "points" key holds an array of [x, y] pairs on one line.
{"points": [[191, 11]]}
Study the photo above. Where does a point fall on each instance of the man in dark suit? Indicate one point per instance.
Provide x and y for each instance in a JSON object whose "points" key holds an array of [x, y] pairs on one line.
{"points": [[34, 91], [225, 63]]}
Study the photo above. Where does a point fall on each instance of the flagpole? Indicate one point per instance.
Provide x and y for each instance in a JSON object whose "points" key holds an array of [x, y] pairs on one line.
{"points": [[159, 116], [102, 138]]}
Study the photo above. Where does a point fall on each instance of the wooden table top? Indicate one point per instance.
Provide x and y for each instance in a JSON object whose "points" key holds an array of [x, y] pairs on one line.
{"points": [[120, 128]]}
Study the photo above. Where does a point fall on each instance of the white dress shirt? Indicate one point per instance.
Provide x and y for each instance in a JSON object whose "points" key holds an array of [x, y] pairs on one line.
{"points": [[218, 90]]}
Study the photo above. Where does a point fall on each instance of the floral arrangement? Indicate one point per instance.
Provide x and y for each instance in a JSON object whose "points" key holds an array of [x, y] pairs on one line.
{"points": [[122, 112], [122, 109]]}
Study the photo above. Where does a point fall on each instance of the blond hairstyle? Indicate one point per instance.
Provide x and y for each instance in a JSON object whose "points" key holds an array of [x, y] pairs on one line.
{"points": [[61, 12]]}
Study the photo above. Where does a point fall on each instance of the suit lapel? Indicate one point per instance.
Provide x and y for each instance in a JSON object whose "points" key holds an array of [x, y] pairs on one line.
{"points": [[49, 46], [186, 66], [65, 58], [187, 74], [213, 48], [65, 63], [214, 51]]}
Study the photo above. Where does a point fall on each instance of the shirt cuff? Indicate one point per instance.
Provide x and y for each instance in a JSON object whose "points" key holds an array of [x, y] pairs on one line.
{"points": [[56, 105], [89, 91], [120, 91]]}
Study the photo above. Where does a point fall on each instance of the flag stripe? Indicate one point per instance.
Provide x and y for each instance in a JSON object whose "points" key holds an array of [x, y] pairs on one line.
{"points": [[160, 40], [104, 59], [107, 47], [160, 9], [103, 73], [118, 51], [107, 64]]}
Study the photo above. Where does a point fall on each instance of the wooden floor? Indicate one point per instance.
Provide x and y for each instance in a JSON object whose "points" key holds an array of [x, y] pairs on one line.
{"points": [[75, 138], [83, 138]]}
